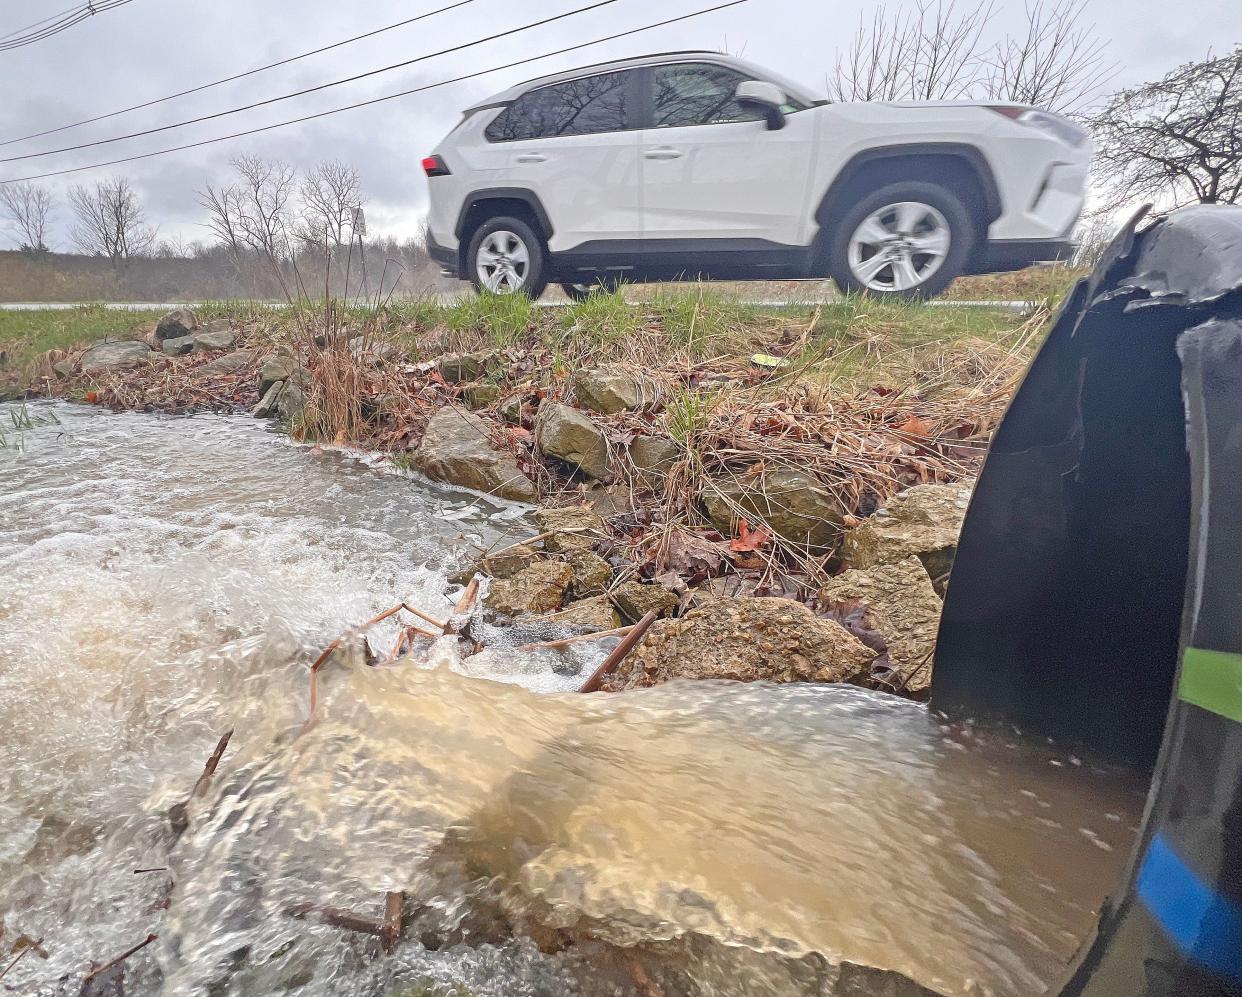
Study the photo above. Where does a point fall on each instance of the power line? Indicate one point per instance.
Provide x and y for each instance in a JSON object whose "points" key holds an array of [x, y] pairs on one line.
{"points": [[75, 15], [314, 89], [53, 17], [238, 76], [380, 100]]}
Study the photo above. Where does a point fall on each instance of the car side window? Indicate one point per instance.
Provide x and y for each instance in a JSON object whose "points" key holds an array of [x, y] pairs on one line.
{"points": [[584, 106], [701, 94]]}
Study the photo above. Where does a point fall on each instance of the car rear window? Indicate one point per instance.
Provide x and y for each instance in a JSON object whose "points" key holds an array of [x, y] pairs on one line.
{"points": [[584, 106]]}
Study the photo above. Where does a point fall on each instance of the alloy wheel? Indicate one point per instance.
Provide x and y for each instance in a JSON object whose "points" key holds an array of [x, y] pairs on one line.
{"points": [[503, 262], [899, 247]]}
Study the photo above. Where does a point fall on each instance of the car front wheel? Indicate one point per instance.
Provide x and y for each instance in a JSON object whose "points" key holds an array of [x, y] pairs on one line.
{"points": [[506, 256], [906, 240]]}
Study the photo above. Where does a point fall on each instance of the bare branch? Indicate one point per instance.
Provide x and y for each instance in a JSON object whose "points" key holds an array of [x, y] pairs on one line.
{"points": [[110, 221], [28, 209]]}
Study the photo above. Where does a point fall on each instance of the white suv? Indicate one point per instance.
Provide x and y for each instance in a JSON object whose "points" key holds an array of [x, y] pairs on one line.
{"points": [[697, 165]]}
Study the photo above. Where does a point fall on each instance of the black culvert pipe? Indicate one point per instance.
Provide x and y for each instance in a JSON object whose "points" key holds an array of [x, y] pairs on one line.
{"points": [[1097, 592]]}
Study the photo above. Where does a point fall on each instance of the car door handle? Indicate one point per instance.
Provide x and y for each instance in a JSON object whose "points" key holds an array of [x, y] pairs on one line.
{"points": [[662, 153], [532, 157]]}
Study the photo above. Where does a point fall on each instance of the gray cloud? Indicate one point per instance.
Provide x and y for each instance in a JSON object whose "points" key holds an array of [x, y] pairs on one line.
{"points": [[150, 48]]}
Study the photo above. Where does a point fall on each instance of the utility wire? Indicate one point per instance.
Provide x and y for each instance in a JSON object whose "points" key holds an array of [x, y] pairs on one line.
{"points": [[380, 100], [238, 76], [71, 17], [314, 89], [53, 17]]}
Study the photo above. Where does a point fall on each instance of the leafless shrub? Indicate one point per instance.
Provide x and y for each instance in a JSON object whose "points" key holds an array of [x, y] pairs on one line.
{"points": [[330, 193], [110, 222], [1177, 140], [28, 208]]}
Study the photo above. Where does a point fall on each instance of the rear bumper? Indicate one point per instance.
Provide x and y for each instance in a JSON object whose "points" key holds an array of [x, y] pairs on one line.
{"points": [[1000, 255], [447, 258]]}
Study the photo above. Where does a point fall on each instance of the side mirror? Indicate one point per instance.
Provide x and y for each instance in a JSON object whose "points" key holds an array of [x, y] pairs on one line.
{"points": [[767, 97]]}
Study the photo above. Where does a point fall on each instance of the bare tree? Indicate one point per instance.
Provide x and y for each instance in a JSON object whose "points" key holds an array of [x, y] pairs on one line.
{"points": [[931, 52], [262, 199], [1058, 64], [1177, 140], [937, 51], [28, 208], [223, 206], [330, 194], [110, 221]]}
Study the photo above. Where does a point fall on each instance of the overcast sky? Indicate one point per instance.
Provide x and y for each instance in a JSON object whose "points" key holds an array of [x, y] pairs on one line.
{"points": [[149, 48]]}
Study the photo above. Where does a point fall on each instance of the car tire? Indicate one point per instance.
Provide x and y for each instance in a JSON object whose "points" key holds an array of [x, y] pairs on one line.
{"points": [[518, 263], [582, 291], [907, 240]]}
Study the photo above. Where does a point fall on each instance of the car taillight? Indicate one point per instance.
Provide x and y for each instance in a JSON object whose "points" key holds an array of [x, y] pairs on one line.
{"points": [[434, 166]]}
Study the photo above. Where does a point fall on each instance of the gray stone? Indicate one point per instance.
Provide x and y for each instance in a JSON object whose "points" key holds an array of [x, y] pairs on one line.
{"points": [[457, 368], [568, 435], [214, 339], [455, 449], [281, 368], [230, 363], [745, 640], [572, 527], [596, 613], [636, 600], [538, 588], [511, 410], [611, 391], [903, 608], [63, 368], [791, 503], [480, 395], [178, 347], [923, 521], [178, 323], [266, 409], [507, 563], [291, 404], [591, 572], [119, 355], [654, 453]]}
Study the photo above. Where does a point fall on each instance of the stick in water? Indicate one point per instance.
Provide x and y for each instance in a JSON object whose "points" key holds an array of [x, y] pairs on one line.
{"points": [[618, 654]]}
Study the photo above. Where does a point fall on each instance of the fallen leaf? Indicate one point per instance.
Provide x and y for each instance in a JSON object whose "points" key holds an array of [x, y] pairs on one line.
{"points": [[748, 540]]}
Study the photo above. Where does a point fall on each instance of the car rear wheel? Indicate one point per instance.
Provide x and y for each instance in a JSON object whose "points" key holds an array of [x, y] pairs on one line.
{"points": [[906, 240], [506, 256]]}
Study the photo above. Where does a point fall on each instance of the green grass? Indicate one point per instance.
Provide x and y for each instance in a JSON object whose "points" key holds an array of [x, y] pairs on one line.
{"points": [[702, 318], [25, 335], [503, 318]]}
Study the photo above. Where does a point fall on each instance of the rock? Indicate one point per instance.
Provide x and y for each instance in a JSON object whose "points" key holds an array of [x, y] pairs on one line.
{"points": [[266, 409], [455, 449], [924, 521], [792, 503], [902, 607], [118, 355], [636, 600], [376, 352], [611, 391], [480, 395], [281, 368], [568, 435], [457, 368], [746, 640], [63, 369], [291, 404], [178, 347], [230, 363], [654, 453], [508, 563], [177, 324], [538, 588], [572, 527], [596, 613], [591, 572], [511, 410], [214, 338]]}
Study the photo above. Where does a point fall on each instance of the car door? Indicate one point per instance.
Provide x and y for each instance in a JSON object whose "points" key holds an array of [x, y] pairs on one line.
{"points": [[574, 144], [711, 167]]}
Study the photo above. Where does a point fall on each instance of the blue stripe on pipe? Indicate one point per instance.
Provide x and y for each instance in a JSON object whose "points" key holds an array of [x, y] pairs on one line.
{"points": [[1203, 924]]}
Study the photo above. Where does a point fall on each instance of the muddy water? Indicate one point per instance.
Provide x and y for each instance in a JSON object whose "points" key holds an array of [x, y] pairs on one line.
{"points": [[164, 580]]}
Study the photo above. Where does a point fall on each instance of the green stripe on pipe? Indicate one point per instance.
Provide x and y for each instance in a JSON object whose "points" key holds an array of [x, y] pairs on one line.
{"points": [[1213, 680]]}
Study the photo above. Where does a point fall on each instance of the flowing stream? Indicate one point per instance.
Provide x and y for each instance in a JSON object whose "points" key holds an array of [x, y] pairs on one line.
{"points": [[165, 579]]}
